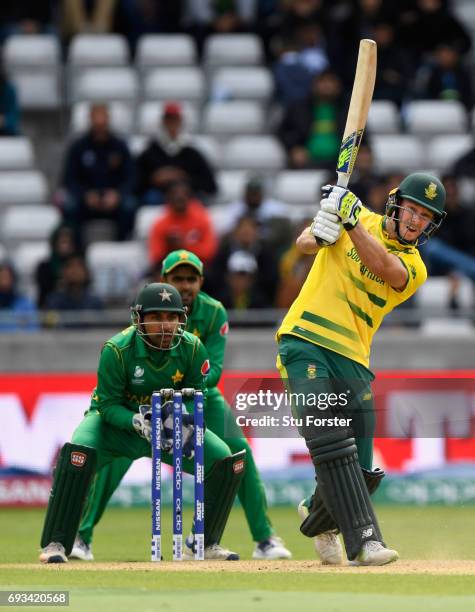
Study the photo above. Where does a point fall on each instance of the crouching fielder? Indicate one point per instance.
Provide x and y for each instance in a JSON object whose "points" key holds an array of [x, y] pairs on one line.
{"points": [[365, 265]]}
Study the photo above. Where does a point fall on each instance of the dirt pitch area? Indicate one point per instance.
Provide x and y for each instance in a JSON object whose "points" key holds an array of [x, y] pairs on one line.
{"points": [[443, 568]]}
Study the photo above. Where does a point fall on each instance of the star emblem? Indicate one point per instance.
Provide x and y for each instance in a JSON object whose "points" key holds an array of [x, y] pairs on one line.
{"points": [[177, 377], [183, 255], [165, 295], [196, 332]]}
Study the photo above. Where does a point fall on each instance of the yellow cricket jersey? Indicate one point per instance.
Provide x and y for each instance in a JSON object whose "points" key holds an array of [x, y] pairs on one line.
{"points": [[342, 303]]}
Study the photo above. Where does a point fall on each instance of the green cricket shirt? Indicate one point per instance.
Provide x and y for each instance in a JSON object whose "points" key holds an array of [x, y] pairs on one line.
{"points": [[208, 321], [129, 372]]}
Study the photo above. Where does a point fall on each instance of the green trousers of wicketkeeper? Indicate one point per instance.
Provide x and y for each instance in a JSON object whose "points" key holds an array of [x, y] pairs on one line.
{"points": [[222, 433]]}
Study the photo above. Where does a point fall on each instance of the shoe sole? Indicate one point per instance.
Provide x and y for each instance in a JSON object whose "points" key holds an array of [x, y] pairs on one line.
{"points": [[356, 563], [54, 559]]}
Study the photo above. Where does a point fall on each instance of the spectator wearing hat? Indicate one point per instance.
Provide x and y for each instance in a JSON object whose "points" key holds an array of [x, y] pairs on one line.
{"points": [[171, 157], [184, 224], [17, 312], [98, 178], [241, 289]]}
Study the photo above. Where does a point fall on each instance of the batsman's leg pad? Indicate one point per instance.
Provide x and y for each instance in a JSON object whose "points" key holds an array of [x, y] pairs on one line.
{"points": [[221, 486], [72, 477], [319, 519], [343, 489]]}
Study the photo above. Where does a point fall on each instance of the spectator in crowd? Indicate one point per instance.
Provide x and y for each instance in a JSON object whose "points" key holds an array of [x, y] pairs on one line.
{"points": [[9, 107], [171, 157], [72, 291], [245, 238], [464, 166], [426, 24], [445, 77], [301, 60], [204, 17], [98, 177], [63, 244], [272, 216], [134, 19], [26, 17], [184, 224], [294, 267], [87, 17], [241, 289], [453, 254], [311, 130], [17, 312], [393, 66], [364, 175]]}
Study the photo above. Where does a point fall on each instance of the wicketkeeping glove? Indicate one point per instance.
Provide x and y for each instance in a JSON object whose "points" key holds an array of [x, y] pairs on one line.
{"points": [[186, 432], [142, 422], [343, 203], [326, 228]]}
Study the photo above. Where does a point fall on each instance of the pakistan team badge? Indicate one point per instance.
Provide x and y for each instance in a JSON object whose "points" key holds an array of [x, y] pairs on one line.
{"points": [[311, 371]]}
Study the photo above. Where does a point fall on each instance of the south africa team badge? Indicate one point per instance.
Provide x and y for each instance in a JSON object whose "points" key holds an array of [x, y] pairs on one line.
{"points": [[311, 371]]}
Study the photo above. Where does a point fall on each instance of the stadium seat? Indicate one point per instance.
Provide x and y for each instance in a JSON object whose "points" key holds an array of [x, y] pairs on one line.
{"points": [[231, 185], [300, 186], [16, 153], [137, 143], [121, 117], [116, 268], [398, 153], [232, 118], [435, 293], [150, 113], [25, 187], [174, 84], [144, 219], [443, 151], [209, 147], [250, 83], [383, 117], [33, 63], [253, 153], [155, 50], [98, 50], [431, 117], [106, 85], [232, 49], [28, 222], [27, 256]]}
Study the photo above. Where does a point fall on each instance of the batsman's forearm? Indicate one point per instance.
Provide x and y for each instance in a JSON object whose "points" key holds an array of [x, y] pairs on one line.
{"points": [[306, 243], [372, 253]]}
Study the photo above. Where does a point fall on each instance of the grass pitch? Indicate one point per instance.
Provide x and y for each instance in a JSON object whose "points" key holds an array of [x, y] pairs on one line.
{"points": [[436, 571]]}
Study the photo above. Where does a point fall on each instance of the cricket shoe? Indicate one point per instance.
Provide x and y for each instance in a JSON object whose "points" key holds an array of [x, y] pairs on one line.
{"points": [[214, 552], [327, 544], [81, 550], [53, 553], [271, 548], [375, 553]]}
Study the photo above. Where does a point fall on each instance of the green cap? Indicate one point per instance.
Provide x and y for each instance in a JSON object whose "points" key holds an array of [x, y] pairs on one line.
{"points": [[181, 258], [424, 189]]}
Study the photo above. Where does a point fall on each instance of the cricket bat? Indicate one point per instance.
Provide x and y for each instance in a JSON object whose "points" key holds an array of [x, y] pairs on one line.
{"points": [[361, 96]]}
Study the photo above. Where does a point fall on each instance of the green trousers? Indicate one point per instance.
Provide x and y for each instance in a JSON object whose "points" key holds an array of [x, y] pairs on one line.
{"points": [[221, 433], [310, 369]]}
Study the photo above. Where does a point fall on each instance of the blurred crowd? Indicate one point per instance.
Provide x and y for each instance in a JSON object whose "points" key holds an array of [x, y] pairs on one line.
{"points": [[310, 45]]}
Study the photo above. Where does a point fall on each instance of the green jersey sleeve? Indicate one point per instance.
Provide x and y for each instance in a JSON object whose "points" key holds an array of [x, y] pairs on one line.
{"points": [[108, 397], [216, 345]]}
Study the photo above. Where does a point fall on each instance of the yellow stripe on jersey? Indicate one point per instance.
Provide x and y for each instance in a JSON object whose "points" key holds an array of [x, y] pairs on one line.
{"points": [[342, 303]]}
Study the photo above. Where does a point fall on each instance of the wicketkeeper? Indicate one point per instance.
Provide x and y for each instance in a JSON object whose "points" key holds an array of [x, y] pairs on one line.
{"points": [[206, 319], [154, 353], [365, 265]]}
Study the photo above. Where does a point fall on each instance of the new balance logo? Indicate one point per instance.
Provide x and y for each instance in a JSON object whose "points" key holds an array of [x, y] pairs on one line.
{"points": [[367, 533]]}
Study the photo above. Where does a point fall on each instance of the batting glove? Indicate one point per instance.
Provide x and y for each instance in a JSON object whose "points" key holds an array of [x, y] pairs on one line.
{"points": [[343, 203], [142, 422], [326, 228]]}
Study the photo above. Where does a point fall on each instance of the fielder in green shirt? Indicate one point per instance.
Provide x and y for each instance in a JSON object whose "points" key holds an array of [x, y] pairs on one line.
{"points": [[154, 353], [208, 321]]}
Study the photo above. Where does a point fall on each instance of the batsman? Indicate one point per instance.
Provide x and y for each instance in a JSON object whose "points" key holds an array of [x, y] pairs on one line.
{"points": [[365, 265], [207, 320], [155, 352]]}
